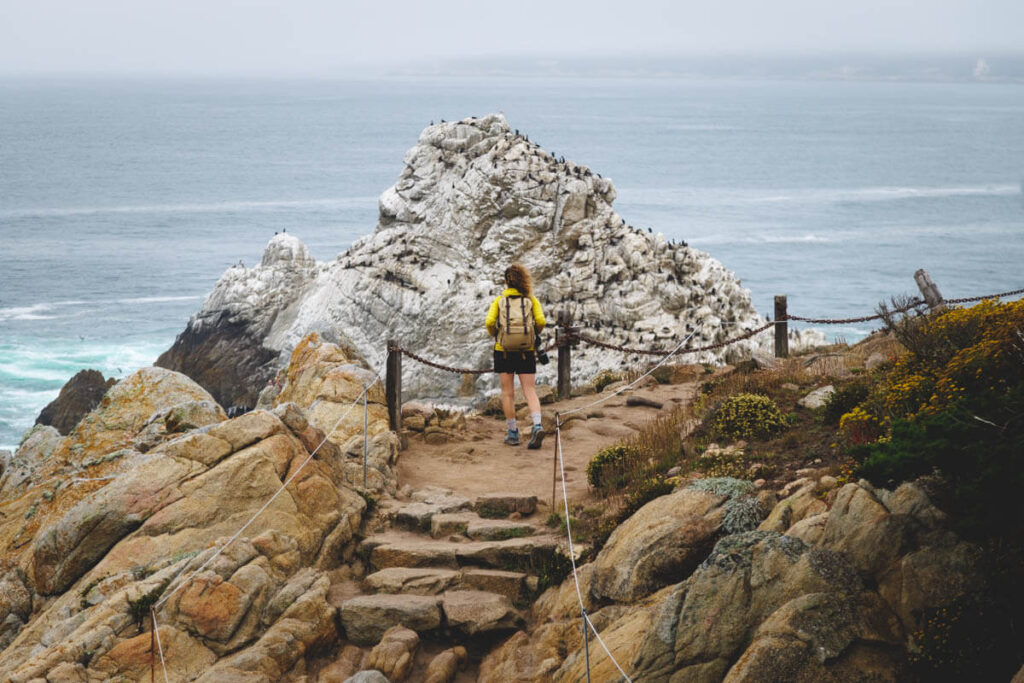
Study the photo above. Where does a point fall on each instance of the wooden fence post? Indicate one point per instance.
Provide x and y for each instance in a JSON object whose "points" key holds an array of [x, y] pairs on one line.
{"points": [[393, 385], [929, 290], [563, 330], [781, 327]]}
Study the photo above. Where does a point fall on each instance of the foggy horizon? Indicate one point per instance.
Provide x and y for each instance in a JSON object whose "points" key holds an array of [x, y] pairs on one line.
{"points": [[318, 38]]}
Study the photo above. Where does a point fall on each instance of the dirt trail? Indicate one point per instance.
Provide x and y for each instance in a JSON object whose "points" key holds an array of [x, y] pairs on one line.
{"points": [[477, 462]]}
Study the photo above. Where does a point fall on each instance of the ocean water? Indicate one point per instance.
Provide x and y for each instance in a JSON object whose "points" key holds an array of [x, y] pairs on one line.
{"points": [[122, 202]]}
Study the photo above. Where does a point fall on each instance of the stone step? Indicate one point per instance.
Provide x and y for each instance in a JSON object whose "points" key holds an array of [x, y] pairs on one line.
{"points": [[412, 580], [397, 549], [518, 587], [498, 529], [500, 505], [464, 612], [425, 505], [366, 617], [449, 524], [478, 528]]}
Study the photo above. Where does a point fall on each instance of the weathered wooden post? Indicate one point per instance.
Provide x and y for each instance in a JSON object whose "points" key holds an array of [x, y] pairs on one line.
{"points": [[929, 290], [393, 385], [563, 336], [781, 327]]}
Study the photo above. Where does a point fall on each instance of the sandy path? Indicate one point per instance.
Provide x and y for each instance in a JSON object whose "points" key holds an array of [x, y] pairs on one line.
{"points": [[480, 463]]}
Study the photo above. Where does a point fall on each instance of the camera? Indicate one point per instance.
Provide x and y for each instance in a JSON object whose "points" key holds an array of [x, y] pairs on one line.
{"points": [[542, 355]]}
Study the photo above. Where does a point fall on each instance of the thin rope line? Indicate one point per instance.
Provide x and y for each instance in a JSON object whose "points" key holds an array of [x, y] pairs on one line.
{"points": [[160, 647], [631, 384], [572, 553], [252, 519], [605, 647]]}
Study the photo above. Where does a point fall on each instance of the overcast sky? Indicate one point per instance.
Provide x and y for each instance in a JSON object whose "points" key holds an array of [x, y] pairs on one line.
{"points": [[324, 36]]}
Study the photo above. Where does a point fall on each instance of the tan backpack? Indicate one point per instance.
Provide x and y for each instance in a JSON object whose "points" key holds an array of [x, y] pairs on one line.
{"points": [[515, 323]]}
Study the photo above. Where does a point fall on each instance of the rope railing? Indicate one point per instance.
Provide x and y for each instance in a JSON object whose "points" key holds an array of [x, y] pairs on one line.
{"points": [[570, 338]]}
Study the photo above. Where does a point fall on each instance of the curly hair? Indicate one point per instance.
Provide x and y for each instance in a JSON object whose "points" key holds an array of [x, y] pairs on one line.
{"points": [[518, 276]]}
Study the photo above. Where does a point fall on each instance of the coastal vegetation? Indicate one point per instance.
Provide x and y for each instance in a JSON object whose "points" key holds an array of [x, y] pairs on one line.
{"points": [[941, 403]]}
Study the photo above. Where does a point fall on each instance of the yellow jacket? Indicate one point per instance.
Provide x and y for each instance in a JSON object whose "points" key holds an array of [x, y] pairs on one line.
{"points": [[492, 315]]}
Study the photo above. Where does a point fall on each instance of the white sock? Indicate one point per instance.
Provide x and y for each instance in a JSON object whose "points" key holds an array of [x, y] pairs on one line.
{"points": [[536, 419], [511, 424]]}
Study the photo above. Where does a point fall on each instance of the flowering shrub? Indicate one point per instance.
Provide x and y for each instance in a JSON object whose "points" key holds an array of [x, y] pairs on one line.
{"points": [[608, 468], [747, 416], [860, 427]]}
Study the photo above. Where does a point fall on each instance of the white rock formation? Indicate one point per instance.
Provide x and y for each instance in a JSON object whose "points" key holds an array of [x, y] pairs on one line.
{"points": [[474, 197]]}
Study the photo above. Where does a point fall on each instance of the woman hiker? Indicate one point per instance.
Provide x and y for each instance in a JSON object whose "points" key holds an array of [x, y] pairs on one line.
{"points": [[513, 320]]}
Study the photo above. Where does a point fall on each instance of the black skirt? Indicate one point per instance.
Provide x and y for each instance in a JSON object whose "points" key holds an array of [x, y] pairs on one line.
{"points": [[517, 362]]}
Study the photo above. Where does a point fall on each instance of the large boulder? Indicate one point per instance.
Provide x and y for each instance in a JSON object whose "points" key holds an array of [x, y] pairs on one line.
{"points": [[77, 397], [659, 545], [700, 630], [473, 196]]}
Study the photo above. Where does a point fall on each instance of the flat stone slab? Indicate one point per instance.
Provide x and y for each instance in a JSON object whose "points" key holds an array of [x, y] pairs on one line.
{"points": [[449, 523], [498, 529], [418, 514], [367, 617], [513, 585], [411, 580], [497, 505], [389, 550], [414, 554], [472, 612], [517, 553]]}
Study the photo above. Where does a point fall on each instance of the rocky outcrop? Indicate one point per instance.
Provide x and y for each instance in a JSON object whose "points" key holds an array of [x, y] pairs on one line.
{"points": [[473, 197], [847, 604], [232, 345], [77, 397], [228, 527]]}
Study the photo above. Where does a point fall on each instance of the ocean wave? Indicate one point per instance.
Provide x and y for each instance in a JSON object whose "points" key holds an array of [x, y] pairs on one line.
{"points": [[212, 207], [714, 196], [809, 238], [49, 310]]}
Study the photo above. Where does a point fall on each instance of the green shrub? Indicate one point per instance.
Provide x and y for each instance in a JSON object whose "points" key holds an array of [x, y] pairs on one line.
{"points": [[723, 486], [742, 514], [747, 416], [843, 400], [607, 469]]}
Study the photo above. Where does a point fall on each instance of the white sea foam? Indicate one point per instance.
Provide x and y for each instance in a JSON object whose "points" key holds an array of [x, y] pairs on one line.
{"points": [[49, 310], [717, 196], [212, 207]]}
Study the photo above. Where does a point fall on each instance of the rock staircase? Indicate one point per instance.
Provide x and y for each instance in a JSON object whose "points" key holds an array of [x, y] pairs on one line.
{"points": [[443, 565]]}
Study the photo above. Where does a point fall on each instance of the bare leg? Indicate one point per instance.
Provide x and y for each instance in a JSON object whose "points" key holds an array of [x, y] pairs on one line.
{"points": [[508, 394], [529, 385]]}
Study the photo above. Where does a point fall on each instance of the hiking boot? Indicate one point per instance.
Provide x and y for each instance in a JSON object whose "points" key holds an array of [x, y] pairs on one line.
{"points": [[512, 438], [536, 437]]}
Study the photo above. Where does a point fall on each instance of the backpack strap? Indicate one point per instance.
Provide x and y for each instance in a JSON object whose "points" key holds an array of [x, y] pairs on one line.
{"points": [[522, 307]]}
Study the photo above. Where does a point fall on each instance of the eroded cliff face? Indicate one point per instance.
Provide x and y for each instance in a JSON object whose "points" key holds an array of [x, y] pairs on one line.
{"points": [[128, 508], [474, 196]]}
